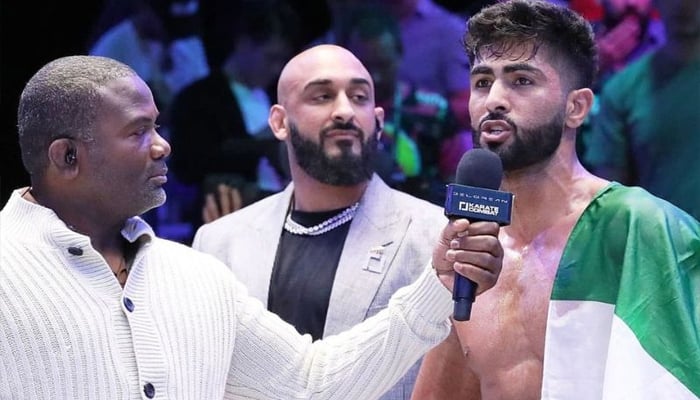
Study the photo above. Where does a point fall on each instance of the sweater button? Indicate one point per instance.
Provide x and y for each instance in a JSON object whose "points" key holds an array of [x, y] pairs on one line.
{"points": [[76, 251], [149, 390], [128, 304]]}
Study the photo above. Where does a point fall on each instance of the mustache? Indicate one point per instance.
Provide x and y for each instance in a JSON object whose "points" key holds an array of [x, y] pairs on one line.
{"points": [[497, 116], [347, 126]]}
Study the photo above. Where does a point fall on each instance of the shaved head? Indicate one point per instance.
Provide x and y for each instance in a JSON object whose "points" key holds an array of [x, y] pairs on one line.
{"points": [[327, 114], [317, 63]]}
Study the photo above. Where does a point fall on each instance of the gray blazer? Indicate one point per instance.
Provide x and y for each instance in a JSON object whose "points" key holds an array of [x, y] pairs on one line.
{"points": [[389, 244]]}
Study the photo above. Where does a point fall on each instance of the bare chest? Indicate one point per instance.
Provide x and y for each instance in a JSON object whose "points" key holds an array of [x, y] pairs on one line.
{"points": [[513, 314], [504, 340]]}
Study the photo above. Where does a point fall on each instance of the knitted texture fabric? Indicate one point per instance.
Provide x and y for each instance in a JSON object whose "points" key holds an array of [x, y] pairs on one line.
{"points": [[181, 328]]}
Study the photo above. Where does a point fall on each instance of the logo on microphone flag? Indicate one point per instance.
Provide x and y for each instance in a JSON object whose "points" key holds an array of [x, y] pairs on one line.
{"points": [[624, 312]]}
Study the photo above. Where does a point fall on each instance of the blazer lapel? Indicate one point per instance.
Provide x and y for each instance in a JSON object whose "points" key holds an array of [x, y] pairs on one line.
{"points": [[370, 247], [258, 251]]}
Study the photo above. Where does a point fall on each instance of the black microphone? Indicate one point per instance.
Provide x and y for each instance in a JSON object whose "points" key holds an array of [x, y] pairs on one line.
{"points": [[475, 196]]}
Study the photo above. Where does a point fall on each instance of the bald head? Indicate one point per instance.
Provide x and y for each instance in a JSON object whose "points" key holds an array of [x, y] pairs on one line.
{"points": [[326, 113], [318, 63]]}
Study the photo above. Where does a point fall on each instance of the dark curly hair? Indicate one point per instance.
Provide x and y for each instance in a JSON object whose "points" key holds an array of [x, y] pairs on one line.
{"points": [[566, 37]]}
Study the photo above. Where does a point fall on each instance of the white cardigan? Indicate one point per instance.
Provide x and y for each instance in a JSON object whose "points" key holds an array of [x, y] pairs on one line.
{"points": [[182, 327]]}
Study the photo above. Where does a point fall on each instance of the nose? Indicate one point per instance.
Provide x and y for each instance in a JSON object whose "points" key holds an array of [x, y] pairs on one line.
{"points": [[497, 98], [343, 111], [160, 148]]}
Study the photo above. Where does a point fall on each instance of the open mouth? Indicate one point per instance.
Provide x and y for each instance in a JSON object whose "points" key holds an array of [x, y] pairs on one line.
{"points": [[495, 130]]}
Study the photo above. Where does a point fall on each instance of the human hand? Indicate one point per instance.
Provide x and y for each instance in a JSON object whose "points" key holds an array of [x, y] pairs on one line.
{"points": [[616, 44], [470, 249], [226, 200]]}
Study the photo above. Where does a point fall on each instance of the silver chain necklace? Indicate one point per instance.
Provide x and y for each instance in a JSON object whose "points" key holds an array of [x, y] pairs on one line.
{"points": [[328, 225]]}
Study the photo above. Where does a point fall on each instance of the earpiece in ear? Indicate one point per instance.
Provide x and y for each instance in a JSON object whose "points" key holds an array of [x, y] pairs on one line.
{"points": [[71, 157], [378, 126]]}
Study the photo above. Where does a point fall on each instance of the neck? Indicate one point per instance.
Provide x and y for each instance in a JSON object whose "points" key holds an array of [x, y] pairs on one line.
{"points": [[547, 193], [312, 196], [105, 235]]}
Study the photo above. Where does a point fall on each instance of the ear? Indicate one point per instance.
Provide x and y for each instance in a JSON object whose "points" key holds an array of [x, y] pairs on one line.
{"points": [[277, 122], [63, 157], [578, 105], [379, 121]]}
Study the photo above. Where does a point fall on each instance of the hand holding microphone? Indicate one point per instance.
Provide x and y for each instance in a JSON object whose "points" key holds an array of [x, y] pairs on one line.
{"points": [[475, 196]]}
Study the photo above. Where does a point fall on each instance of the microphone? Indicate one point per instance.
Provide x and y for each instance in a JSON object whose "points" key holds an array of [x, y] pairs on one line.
{"points": [[475, 196]]}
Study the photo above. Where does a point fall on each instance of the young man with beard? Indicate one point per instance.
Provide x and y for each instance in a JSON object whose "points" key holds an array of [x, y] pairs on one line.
{"points": [[598, 298], [329, 250]]}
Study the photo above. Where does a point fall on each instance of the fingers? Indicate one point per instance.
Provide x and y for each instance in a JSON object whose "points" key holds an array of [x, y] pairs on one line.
{"points": [[485, 276], [229, 200], [479, 237], [475, 253], [224, 198], [236, 199], [210, 210], [480, 267], [452, 230]]}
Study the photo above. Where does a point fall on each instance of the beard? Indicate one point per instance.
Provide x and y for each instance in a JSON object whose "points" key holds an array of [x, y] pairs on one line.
{"points": [[529, 146], [347, 169]]}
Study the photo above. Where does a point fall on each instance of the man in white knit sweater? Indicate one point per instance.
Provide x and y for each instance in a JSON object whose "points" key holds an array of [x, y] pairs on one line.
{"points": [[94, 306]]}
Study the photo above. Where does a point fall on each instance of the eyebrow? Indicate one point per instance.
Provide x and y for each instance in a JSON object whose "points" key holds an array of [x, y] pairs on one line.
{"points": [[482, 69], [140, 121], [327, 82]]}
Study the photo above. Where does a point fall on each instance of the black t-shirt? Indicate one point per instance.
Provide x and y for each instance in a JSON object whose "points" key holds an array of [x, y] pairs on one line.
{"points": [[304, 271]]}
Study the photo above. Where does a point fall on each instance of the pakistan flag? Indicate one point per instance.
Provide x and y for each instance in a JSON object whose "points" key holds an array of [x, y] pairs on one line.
{"points": [[624, 314]]}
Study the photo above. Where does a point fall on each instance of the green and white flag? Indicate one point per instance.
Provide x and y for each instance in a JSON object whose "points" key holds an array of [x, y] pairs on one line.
{"points": [[624, 315]]}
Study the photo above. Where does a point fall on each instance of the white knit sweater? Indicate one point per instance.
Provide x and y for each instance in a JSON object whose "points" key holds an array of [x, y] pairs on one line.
{"points": [[182, 327]]}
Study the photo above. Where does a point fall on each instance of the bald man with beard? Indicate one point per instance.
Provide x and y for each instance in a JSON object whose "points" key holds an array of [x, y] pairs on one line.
{"points": [[330, 250]]}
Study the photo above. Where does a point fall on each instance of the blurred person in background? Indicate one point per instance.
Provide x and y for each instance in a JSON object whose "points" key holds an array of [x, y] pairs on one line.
{"points": [[624, 30], [417, 121], [432, 64], [433, 57], [641, 134], [219, 123], [160, 39]]}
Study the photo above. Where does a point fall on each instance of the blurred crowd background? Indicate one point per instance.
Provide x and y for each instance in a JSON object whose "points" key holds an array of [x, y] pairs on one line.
{"points": [[213, 66]]}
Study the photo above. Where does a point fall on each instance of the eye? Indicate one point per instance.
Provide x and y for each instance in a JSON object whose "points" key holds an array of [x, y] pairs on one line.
{"points": [[146, 128], [321, 97], [521, 81], [360, 97], [482, 83]]}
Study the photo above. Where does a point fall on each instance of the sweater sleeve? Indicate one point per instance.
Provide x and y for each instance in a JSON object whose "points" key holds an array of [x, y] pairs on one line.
{"points": [[272, 361]]}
